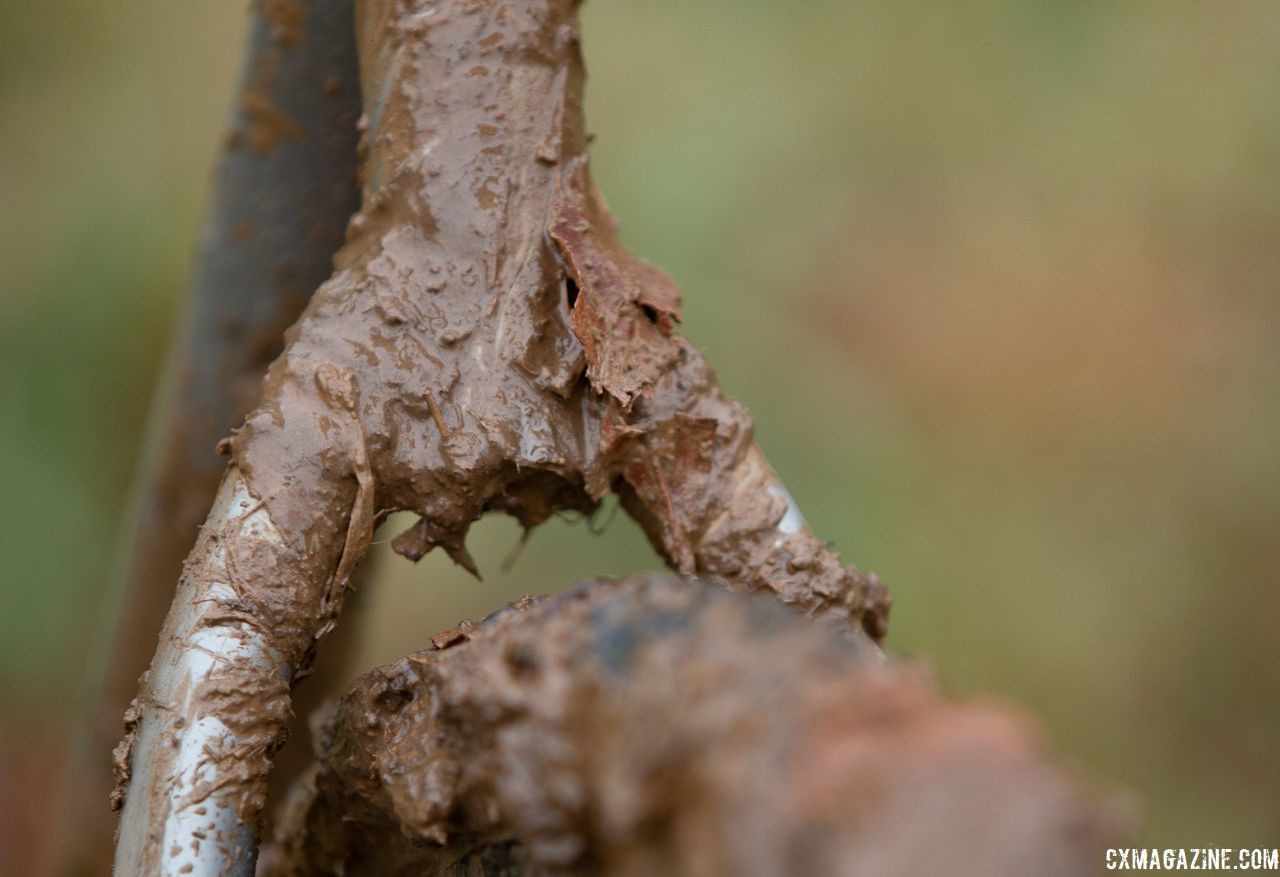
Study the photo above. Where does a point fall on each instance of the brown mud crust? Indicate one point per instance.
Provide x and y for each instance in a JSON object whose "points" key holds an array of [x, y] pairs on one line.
{"points": [[485, 344], [655, 725]]}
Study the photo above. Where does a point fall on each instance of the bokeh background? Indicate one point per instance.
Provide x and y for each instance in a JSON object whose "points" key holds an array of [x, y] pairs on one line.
{"points": [[999, 280]]}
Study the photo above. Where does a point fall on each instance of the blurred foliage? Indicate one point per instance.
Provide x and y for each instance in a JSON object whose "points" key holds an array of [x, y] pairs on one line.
{"points": [[999, 280]]}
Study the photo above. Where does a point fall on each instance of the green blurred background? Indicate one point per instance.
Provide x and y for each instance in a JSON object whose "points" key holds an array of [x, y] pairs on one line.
{"points": [[999, 280]]}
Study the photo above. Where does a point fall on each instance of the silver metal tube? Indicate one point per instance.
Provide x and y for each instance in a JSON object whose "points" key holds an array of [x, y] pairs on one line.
{"points": [[181, 815]]}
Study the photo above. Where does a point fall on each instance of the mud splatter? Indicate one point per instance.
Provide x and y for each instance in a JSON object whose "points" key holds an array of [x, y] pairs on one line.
{"points": [[286, 20], [122, 753], [265, 124]]}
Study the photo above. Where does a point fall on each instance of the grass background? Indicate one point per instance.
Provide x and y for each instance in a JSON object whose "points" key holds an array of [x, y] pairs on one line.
{"points": [[999, 280]]}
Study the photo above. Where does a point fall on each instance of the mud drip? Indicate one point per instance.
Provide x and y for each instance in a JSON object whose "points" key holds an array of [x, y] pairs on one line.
{"points": [[484, 344]]}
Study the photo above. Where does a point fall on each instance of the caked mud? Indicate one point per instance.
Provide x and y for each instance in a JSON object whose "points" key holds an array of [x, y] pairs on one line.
{"points": [[484, 344], [657, 725]]}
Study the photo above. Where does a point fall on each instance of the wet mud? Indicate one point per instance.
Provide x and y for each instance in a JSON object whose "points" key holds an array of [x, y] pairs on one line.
{"points": [[485, 344], [656, 725]]}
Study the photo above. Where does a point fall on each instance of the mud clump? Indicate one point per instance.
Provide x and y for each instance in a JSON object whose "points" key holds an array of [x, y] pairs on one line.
{"points": [[663, 726]]}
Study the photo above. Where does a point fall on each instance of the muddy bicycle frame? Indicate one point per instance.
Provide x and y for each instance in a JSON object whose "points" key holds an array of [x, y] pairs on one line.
{"points": [[483, 344]]}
